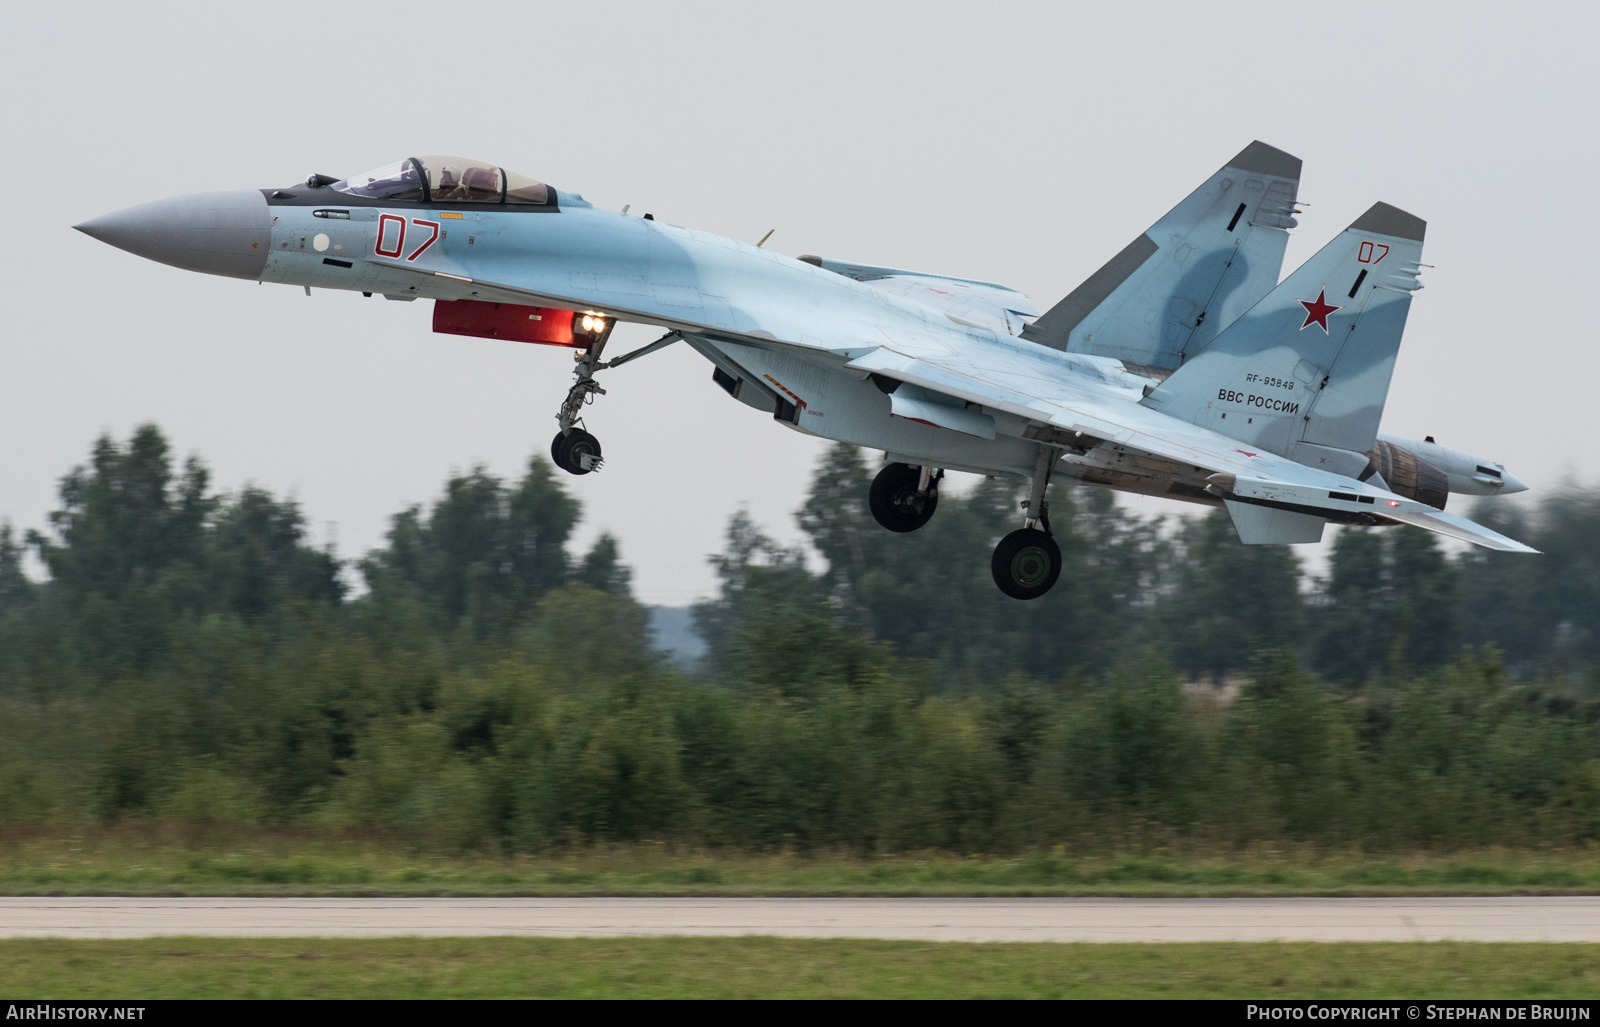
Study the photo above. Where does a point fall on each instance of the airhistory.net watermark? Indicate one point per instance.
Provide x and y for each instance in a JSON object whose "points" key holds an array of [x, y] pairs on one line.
{"points": [[64, 1011]]}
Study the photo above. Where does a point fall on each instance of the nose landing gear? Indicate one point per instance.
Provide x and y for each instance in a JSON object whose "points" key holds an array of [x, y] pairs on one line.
{"points": [[573, 449], [1027, 562], [903, 497]]}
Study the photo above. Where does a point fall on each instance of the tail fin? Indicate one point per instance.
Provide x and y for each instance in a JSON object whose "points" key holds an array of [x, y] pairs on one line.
{"points": [[1310, 364], [1171, 290]]}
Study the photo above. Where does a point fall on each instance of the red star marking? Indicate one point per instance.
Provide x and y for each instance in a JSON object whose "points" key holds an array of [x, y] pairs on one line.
{"points": [[1317, 311], [1246, 452]]}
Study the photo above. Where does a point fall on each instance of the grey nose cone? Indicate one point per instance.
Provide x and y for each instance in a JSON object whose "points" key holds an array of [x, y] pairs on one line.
{"points": [[217, 233], [1512, 484]]}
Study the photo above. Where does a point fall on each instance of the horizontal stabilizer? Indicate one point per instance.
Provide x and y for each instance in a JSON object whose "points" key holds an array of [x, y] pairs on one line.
{"points": [[1362, 498], [1452, 526]]}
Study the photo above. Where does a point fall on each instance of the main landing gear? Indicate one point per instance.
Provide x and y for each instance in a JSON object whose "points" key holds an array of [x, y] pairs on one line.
{"points": [[904, 497], [1027, 562]]}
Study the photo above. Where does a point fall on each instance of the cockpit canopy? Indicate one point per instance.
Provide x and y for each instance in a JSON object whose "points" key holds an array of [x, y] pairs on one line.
{"points": [[446, 180]]}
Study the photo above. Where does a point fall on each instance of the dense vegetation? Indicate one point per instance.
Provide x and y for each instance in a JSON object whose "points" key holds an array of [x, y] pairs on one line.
{"points": [[192, 657]]}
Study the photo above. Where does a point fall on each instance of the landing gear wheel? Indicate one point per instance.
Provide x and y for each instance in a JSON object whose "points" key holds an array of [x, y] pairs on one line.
{"points": [[576, 452], [894, 501], [1026, 563]]}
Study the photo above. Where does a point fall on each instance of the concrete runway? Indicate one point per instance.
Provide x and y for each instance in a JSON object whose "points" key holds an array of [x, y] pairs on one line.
{"points": [[1511, 918]]}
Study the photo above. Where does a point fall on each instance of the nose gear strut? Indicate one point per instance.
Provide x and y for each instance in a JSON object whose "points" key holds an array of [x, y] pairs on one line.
{"points": [[573, 449]]}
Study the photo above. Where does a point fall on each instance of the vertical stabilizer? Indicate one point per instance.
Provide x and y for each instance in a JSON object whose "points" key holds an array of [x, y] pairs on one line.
{"points": [[1171, 290], [1306, 371]]}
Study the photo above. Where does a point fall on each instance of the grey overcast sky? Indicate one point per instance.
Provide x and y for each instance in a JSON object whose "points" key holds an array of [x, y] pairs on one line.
{"points": [[1019, 142]]}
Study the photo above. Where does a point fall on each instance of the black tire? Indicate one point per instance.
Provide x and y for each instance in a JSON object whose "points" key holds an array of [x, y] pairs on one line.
{"points": [[893, 499], [569, 450], [1026, 563]]}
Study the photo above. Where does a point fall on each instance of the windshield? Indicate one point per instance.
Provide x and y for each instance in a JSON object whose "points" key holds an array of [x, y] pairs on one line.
{"points": [[522, 189], [397, 181], [446, 180]]}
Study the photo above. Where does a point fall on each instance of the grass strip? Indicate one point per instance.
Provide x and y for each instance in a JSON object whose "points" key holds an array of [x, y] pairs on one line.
{"points": [[152, 861], [765, 967]]}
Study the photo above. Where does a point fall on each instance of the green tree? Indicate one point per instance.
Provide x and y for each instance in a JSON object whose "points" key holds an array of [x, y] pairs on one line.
{"points": [[256, 557], [1426, 599], [18, 621], [835, 517], [931, 592], [484, 554], [1228, 599], [1505, 597], [16, 591], [1543, 610], [124, 559], [1390, 601], [775, 625], [602, 567], [1292, 750], [1132, 750]]}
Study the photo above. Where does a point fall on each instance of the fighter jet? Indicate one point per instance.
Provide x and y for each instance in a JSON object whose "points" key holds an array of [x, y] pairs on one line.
{"points": [[1182, 368]]}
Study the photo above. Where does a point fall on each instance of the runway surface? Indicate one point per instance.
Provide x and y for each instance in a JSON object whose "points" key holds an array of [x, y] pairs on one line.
{"points": [[1567, 918]]}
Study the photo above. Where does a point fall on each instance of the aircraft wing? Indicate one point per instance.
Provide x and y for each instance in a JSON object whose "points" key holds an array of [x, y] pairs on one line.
{"points": [[1030, 386]]}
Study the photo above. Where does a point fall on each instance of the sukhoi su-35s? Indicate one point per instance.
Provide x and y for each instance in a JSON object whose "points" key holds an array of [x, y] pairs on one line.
{"points": [[1182, 368]]}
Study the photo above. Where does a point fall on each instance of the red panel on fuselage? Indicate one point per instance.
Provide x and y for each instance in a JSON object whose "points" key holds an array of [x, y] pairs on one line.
{"points": [[542, 325]]}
